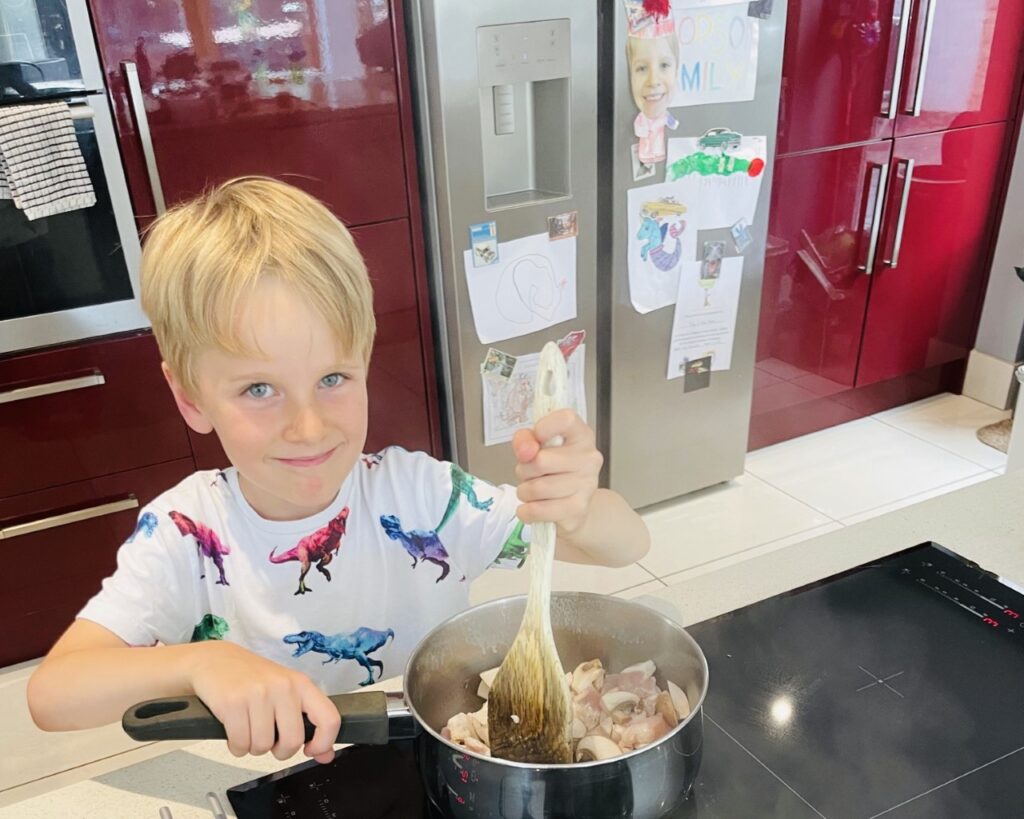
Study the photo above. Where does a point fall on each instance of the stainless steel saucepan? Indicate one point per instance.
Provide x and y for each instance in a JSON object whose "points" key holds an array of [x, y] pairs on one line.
{"points": [[441, 680]]}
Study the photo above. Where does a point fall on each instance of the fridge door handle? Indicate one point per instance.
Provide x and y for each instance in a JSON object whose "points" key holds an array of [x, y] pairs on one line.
{"points": [[891, 95], [137, 105], [901, 217], [914, 108], [875, 211]]}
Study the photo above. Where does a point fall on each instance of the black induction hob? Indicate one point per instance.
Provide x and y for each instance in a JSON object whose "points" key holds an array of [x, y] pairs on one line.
{"points": [[892, 690]]}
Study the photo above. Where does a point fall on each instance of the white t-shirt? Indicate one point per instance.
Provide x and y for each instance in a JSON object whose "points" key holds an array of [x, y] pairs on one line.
{"points": [[401, 543]]}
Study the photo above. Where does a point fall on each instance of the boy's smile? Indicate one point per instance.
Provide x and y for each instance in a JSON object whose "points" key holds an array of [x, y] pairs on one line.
{"points": [[292, 418]]}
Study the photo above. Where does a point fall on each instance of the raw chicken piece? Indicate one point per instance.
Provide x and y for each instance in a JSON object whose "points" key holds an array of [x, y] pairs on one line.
{"points": [[613, 713]]}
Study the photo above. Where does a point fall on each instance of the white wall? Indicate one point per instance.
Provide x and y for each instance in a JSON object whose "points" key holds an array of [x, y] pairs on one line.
{"points": [[990, 369]]}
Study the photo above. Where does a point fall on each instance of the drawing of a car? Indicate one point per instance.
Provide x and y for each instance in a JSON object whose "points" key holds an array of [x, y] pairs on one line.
{"points": [[720, 138]]}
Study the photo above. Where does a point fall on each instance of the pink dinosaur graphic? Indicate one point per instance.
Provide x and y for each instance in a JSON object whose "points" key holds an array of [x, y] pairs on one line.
{"points": [[321, 546], [207, 543]]}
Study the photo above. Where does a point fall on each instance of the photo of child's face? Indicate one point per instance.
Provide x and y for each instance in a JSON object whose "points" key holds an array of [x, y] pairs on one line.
{"points": [[652, 74]]}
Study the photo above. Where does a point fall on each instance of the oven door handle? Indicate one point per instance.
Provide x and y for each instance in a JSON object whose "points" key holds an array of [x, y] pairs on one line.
{"points": [[111, 507], [138, 107]]}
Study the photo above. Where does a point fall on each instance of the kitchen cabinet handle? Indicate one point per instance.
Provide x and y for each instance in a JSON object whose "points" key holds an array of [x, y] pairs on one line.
{"points": [[902, 215], [138, 107], [876, 218], [891, 97], [922, 65], [66, 518], [52, 388]]}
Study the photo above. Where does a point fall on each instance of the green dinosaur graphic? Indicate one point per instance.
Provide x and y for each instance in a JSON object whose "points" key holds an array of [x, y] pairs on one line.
{"points": [[462, 484], [211, 627], [514, 548]]}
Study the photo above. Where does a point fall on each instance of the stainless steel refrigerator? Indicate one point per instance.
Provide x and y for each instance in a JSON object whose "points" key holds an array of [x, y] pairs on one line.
{"points": [[524, 112]]}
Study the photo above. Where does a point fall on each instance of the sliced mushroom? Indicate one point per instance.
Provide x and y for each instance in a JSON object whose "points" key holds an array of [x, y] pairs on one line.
{"points": [[479, 720], [486, 681], [594, 748], [587, 675], [579, 730], [620, 704], [679, 700], [646, 668], [477, 747], [663, 706]]}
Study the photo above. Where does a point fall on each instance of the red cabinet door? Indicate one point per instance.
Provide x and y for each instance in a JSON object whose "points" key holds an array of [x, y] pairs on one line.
{"points": [[923, 306], [963, 66], [824, 208], [840, 72], [301, 91], [55, 563]]}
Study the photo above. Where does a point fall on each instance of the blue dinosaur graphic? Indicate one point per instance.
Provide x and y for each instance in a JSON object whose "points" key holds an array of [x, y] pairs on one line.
{"points": [[357, 645], [419, 543], [147, 525], [462, 484]]}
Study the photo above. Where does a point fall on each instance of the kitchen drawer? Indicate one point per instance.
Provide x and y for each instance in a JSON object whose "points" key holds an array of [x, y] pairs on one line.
{"points": [[47, 575], [104, 408]]}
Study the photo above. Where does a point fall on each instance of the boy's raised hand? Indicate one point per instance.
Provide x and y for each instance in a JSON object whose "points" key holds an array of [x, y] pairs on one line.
{"points": [[556, 483], [253, 697]]}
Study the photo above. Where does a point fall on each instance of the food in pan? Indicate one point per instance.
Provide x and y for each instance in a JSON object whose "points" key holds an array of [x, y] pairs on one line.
{"points": [[612, 713]]}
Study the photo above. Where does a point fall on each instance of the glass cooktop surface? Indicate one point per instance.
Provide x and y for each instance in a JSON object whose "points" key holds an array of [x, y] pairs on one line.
{"points": [[889, 690]]}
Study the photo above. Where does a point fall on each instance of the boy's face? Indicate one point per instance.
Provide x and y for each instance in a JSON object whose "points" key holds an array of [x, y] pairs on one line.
{"points": [[652, 74], [294, 422]]}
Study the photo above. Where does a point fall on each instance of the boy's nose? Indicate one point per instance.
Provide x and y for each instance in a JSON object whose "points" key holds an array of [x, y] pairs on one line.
{"points": [[306, 425]]}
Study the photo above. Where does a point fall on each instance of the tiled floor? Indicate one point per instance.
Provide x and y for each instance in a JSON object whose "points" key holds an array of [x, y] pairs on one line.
{"points": [[796, 490], [790, 492]]}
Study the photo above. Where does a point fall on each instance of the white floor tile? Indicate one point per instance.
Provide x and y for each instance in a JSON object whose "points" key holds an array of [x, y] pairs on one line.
{"points": [[951, 422], [857, 466], [495, 583], [643, 588], [720, 521], [748, 554], [931, 493]]}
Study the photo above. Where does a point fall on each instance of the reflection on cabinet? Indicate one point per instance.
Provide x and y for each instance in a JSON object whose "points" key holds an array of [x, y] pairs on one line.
{"points": [[892, 155], [924, 302]]}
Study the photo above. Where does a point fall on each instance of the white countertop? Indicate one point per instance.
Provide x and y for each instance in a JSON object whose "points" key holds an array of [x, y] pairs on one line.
{"points": [[983, 522]]}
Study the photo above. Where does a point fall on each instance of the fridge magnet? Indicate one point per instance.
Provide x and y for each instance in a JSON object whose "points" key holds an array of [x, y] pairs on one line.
{"points": [[697, 373], [741, 235], [653, 58], [640, 14], [702, 327], [659, 241], [570, 341], [508, 398], [533, 287], [483, 241], [761, 9], [711, 268], [562, 226], [640, 170], [728, 169], [718, 44]]}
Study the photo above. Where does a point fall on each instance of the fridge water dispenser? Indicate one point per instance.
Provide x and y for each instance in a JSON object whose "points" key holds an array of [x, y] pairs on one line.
{"points": [[523, 71]]}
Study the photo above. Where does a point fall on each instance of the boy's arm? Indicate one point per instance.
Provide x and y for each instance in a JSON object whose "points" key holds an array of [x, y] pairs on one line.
{"points": [[559, 484], [91, 676]]}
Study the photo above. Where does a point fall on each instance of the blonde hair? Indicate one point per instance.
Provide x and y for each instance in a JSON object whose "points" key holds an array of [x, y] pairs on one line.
{"points": [[201, 258]]}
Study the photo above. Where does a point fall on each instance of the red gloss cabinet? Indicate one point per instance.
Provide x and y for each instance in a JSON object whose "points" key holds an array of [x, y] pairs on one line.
{"points": [[894, 131]]}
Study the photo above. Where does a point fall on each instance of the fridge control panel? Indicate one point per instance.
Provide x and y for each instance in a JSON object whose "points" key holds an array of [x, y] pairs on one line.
{"points": [[523, 52]]}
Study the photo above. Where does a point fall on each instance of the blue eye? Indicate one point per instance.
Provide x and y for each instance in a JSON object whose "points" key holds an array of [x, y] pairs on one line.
{"points": [[260, 390], [332, 380]]}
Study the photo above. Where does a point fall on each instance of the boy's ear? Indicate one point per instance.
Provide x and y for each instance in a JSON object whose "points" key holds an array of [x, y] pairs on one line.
{"points": [[189, 410]]}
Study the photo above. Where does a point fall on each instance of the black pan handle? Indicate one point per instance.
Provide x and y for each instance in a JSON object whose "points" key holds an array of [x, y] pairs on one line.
{"points": [[364, 719]]}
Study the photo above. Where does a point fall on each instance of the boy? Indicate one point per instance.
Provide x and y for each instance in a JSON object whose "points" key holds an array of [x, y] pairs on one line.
{"points": [[262, 309]]}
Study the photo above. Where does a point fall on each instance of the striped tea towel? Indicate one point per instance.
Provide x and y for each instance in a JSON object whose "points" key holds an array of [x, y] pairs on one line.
{"points": [[41, 164]]}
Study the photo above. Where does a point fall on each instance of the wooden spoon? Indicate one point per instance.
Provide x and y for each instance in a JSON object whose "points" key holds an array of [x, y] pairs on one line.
{"points": [[529, 708]]}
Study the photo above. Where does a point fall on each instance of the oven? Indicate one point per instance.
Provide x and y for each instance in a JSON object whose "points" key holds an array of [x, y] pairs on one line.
{"points": [[74, 275]]}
